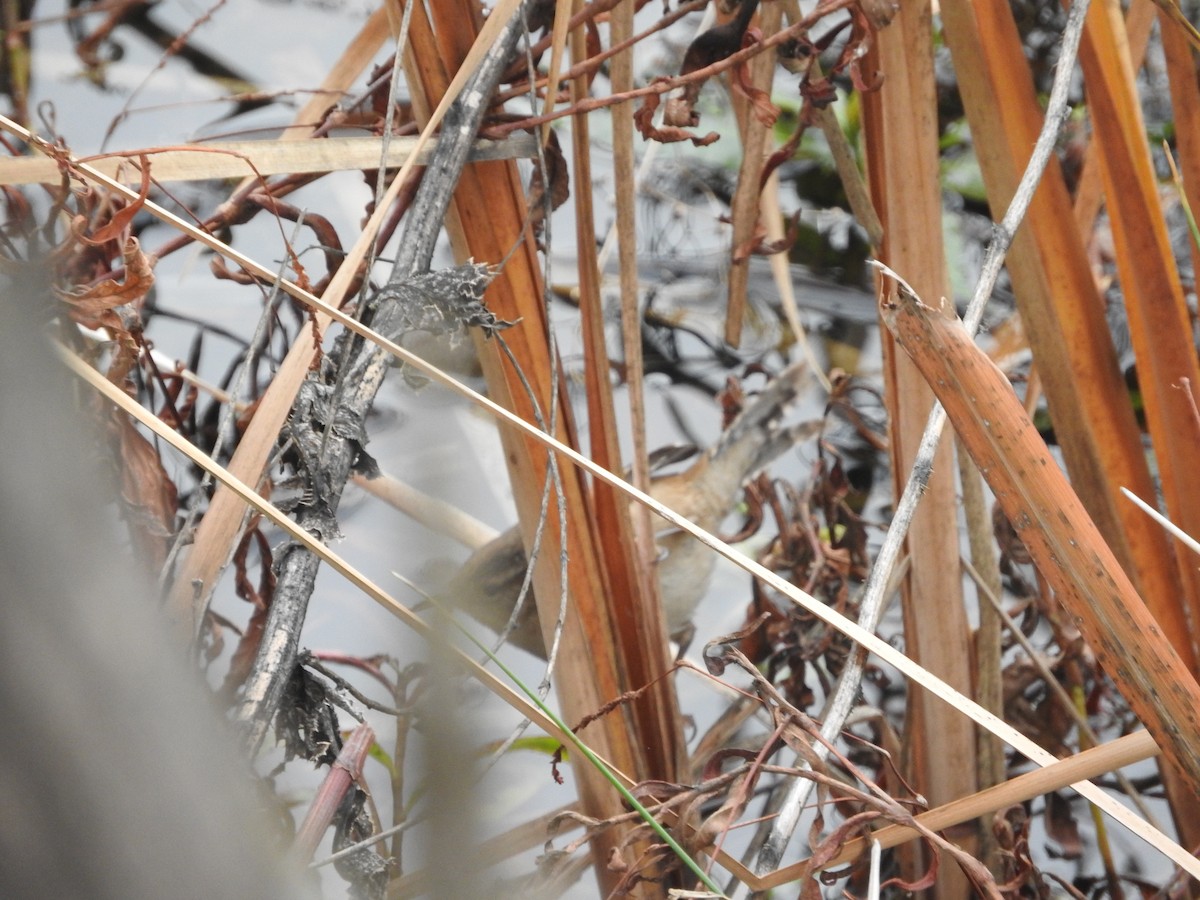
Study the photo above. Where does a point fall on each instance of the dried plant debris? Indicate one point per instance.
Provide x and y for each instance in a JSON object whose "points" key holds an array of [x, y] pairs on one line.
{"points": [[442, 302], [106, 279]]}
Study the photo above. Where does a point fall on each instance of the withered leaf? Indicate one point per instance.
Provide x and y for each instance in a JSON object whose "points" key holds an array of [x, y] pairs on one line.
{"points": [[760, 101], [116, 226], [88, 305], [1062, 828], [669, 134], [560, 184], [148, 493]]}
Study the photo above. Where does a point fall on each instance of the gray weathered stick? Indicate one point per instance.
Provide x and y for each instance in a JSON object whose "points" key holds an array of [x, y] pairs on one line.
{"points": [[366, 368]]}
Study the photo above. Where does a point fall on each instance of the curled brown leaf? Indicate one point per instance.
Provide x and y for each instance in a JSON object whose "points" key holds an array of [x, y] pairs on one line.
{"points": [[88, 305], [148, 494], [764, 110], [118, 224], [678, 110]]}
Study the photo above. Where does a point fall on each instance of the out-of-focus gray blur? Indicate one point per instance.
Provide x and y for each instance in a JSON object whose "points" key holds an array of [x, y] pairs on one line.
{"points": [[118, 777]]}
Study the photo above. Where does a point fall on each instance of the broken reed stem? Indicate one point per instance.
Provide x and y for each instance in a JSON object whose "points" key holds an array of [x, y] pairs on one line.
{"points": [[843, 699], [625, 178], [989, 684]]}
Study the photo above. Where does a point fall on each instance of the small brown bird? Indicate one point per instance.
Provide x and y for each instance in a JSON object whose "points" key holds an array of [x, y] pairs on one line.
{"points": [[487, 585]]}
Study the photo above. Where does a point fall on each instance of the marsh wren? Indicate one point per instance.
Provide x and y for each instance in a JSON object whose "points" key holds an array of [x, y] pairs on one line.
{"points": [[487, 585]]}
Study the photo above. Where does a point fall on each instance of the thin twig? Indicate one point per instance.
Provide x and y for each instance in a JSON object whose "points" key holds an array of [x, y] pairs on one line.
{"points": [[1178, 533], [313, 662], [225, 425]]}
